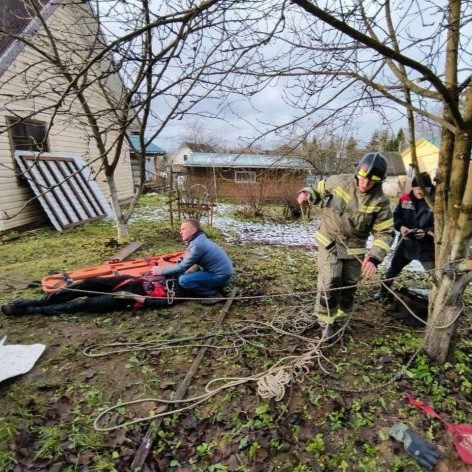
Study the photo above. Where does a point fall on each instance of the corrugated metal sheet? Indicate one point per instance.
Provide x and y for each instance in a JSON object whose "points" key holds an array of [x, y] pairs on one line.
{"points": [[65, 188], [151, 148], [207, 159]]}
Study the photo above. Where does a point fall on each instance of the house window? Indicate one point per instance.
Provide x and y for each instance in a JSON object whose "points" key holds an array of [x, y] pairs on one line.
{"points": [[28, 136], [244, 176], [185, 157]]}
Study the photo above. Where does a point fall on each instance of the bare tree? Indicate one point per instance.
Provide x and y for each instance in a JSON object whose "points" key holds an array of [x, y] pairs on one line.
{"points": [[333, 62], [170, 58], [197, 132], [341, 61]]}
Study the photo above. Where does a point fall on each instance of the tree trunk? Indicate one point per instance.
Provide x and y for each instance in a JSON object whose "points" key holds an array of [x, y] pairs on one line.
{"points": [[444, 310], [121, 222]]}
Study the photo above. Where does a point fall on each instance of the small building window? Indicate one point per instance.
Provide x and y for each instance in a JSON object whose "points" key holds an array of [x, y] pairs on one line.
{"points": [[185, 157], [244, 176], [28, 136]]}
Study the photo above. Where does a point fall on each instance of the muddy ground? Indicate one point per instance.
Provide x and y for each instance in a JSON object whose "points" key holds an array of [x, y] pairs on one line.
{"points": [[334, 414]]}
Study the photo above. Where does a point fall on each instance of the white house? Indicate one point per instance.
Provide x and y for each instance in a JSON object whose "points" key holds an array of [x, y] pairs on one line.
{"points": [[184, 151]]}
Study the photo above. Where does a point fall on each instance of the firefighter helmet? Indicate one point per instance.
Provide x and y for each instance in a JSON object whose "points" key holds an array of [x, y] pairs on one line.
{"points": [[372, 166]]}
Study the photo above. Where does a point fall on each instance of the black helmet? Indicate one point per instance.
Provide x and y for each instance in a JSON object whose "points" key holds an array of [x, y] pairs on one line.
{"points": [[372, 166], [426, 179]]}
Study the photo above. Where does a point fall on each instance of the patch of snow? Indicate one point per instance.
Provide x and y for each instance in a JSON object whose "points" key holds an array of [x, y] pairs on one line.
{"points": [[291, 233]]}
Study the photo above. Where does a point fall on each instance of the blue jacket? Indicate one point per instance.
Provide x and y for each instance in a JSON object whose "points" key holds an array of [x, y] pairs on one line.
{"points": [[205, 253]]}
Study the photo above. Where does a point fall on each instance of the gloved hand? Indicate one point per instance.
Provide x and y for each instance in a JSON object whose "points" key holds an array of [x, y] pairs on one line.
{"points": [[423, 451]]}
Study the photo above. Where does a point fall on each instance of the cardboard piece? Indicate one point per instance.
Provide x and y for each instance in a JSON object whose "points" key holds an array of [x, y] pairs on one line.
{"points": [[17, 359]]}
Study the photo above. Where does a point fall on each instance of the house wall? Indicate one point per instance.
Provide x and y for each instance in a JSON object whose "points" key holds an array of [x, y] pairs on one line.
{"points": [[428, 156], [273, 185], [394, 186], [178, 158], [69, 132]]}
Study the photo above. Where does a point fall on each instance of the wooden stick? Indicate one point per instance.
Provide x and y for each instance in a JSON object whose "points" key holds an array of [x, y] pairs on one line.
{"points": [[123, 253], [151, 433]]}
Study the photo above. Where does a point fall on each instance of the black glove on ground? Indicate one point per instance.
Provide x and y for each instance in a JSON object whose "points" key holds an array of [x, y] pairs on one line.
{"points": [[423, 451]]}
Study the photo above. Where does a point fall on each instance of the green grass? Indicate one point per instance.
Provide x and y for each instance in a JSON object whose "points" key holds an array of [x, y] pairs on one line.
{"points": [[334, 419]]}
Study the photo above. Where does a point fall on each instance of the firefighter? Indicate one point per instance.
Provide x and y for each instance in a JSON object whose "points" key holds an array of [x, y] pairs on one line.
{"points": [[352, 208]]}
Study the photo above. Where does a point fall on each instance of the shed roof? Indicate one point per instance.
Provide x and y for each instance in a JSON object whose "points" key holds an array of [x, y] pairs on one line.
{"points": [[208, 159], [151, 148], [435, 140]]}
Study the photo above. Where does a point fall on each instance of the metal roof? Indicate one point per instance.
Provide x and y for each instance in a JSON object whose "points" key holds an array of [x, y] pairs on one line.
{"points": [[151, 148], [65, 188], [435, 140], [208, 159]]}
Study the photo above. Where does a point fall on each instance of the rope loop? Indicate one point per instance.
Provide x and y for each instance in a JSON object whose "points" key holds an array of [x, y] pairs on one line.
{"points": [[272, 385]]}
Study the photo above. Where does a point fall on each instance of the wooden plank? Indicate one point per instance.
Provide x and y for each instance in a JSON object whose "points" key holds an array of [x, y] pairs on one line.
{"points": [[123, 253], [148, 440]]}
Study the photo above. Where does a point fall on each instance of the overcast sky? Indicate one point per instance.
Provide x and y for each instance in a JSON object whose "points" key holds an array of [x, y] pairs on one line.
{"points": [[269, 107], [243, 121]]}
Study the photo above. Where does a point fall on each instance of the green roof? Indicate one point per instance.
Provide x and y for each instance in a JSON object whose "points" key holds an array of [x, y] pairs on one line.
{"points": [[150, 148], [436, 140], [216, 159]]}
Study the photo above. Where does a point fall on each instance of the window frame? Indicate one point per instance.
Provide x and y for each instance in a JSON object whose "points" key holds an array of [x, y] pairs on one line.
{"points": [[238, 176], [28, 143]]}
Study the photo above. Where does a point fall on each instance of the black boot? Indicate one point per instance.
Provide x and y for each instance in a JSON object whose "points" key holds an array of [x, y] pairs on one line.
{"points": [[16, 309], [383, 295]]}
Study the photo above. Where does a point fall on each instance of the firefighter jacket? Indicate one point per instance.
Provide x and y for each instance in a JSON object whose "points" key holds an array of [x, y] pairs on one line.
{"points": [[348, 217]]}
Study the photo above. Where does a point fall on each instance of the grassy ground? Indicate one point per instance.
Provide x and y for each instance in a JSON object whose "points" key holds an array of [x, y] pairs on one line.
{"points": [[334, 416]]}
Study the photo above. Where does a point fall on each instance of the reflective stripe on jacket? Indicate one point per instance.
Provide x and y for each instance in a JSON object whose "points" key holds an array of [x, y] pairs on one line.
{"points": [[348, 217]]}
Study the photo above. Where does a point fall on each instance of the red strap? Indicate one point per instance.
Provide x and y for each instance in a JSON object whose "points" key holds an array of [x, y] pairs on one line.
{"points": [[159, 291], [427, 409], [123, 282]]}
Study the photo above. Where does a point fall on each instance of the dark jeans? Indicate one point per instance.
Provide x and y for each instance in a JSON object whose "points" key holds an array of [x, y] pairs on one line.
{"points": [[203, 283], [81, 297]]}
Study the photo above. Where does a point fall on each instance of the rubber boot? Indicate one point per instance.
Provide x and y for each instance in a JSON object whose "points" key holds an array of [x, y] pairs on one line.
{"points": [[383, 295]]}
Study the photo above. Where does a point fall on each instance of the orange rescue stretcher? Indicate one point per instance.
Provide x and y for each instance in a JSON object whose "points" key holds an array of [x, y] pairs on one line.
{"points": [[135, 268]]}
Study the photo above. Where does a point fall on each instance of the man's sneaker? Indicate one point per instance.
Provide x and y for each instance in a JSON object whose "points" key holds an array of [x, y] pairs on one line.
{"points": [[214, 299], [19, 309]]}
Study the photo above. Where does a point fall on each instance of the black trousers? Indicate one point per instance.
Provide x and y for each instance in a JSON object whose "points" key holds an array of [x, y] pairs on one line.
{"points": [[399, 261], [81, 297]]}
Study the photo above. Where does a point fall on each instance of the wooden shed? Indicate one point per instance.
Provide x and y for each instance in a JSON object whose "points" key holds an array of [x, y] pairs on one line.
{"points": [[247, 177]]}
